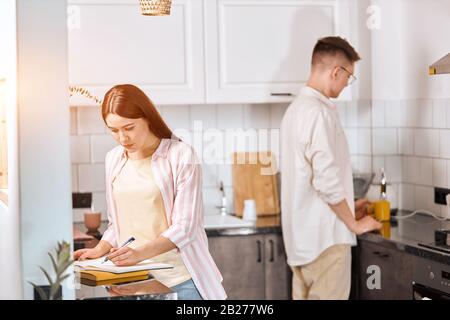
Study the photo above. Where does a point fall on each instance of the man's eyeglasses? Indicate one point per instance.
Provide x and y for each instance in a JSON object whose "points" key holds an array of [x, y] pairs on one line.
{"points": [[351, 77]]}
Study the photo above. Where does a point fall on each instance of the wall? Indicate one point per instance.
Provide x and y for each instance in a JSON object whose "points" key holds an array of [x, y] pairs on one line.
{"points": [[90, 141], [11, 266], [411, 110], [43, 135]]}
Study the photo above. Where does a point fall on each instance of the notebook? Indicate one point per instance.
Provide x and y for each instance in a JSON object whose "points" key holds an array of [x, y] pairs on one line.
{"points": [[95, 278], [108, 266]]}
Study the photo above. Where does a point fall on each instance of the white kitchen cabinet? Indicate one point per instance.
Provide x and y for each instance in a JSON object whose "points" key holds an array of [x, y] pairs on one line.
{"points": [[206, 51], [260, 50], [111, 43]]}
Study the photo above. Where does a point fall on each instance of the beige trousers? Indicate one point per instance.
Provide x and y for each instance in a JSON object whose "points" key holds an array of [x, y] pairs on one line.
{"points": [[326, 278]]}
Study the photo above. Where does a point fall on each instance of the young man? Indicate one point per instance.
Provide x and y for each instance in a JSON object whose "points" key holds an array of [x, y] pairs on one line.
{"points": [[318, 212]]}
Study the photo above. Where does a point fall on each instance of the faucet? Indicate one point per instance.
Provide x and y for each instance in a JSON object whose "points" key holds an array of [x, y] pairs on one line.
{"points": [[223, 207]]}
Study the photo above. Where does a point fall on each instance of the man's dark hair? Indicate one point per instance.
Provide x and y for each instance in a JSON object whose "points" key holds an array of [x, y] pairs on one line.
{"points": [[332, 46]]}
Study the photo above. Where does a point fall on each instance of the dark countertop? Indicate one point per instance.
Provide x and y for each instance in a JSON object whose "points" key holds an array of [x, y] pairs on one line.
{"points": [[399, 234], [263, 225]]}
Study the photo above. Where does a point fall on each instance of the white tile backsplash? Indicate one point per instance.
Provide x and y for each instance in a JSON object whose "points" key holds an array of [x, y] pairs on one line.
{"points": [[393, 114], [73, 120], [440, 173], [424, 199], [407, 197], [74, 176], [204, 115], [99, 203], [100, 146], [378, 113], [439, 113], [393, 168], [176, 116], [425, 171], [90, 121], [277, 111], [209, 172], [385, 141], [419, 113], [364, 119], [406, 141], [211, 199], [406, 137], [230, 116], [91, 177], [80, 149], [426, 142], [444, 137], [364, 141], [257, 116]]}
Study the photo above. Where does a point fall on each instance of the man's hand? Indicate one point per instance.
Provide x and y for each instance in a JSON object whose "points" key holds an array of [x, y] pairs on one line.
{"points": [[366, 224], [361, 208]]}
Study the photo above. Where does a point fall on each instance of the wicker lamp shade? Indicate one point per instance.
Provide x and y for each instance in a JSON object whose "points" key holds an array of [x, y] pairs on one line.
{"points": [[155, 7]]}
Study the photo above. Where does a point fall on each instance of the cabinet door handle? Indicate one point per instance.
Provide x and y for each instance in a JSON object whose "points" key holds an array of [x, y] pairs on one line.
{"points": [[377, 253], [282, 94], [272, 257], [258, 242], [384, 255]]}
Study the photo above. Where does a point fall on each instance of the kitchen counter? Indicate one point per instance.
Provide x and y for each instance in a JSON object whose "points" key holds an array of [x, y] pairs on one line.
{"points": [[400, 234], [407, 234], [263, 225]]}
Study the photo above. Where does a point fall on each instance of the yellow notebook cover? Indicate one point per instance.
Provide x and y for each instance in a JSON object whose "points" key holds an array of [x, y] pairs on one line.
{"points": [[94, 277]]}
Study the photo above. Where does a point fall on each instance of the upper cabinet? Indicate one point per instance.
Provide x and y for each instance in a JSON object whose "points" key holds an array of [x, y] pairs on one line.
{"points": [[260, 50], [206, 51], [111, 43]]}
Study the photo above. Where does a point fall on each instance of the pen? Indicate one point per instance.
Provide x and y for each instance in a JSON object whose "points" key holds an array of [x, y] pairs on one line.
{"points": [[125, 244]]}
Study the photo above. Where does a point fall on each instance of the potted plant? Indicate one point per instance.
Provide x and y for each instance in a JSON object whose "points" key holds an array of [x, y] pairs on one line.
{"points": [[60, 263]]}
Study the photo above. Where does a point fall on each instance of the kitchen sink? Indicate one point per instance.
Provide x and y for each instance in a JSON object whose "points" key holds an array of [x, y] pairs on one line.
{"points": [[224, 222]]}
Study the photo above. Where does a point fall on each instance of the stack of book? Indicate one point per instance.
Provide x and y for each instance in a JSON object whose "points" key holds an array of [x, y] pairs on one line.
{"points": [[94, 272]]}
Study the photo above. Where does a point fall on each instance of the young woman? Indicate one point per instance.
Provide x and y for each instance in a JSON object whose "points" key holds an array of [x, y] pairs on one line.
{"points": [[154, 193]]}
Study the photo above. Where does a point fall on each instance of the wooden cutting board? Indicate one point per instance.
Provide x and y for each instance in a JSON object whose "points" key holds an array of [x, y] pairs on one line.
{"points": [[254, 177]]}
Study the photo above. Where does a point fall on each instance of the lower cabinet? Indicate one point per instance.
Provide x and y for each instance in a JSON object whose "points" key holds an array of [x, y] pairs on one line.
{"points": [[393, 269], [252, 266]]}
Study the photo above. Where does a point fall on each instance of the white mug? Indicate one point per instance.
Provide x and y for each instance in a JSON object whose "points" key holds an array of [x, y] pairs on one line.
{"points": [[249, 210]]}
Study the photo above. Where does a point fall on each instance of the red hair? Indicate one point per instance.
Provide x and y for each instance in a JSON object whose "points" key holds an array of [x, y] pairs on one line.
{"points": [[129, 101]]}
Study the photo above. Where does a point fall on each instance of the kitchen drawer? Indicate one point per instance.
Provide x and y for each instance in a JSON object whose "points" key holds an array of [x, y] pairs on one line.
{"points": [[395, 272]]}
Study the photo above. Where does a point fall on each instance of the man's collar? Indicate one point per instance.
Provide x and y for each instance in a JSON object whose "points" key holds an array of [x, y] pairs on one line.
{"points": [[310, 91]]}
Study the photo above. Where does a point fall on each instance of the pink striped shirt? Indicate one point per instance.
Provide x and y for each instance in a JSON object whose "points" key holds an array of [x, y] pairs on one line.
{"points": [[177, 172]]}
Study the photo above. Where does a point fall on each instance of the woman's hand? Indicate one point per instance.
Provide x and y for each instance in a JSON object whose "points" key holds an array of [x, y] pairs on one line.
{"points": [[100, 249], [126, 256], [84, 254]]}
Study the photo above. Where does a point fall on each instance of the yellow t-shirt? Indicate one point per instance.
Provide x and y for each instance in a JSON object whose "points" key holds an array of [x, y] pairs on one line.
{"points": [[141, 214]]}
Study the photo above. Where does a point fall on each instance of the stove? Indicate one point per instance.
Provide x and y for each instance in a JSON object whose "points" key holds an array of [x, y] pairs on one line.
{"points": [[431, 279], [441, 241]]}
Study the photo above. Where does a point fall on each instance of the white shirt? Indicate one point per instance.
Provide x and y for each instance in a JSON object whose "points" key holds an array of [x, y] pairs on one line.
{"points": [[315, 172]]}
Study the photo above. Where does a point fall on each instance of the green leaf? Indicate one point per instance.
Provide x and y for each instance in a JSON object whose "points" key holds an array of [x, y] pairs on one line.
{"points": [[64, 267], [49, 279], [55, 266], [39, 291]]}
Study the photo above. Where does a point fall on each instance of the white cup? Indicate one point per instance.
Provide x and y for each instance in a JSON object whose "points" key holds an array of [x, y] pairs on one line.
{"points": [[249, 210]]}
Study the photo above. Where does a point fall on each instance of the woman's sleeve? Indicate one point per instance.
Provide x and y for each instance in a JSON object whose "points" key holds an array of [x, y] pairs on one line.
{"points": [[110, 234], [188, 205]]}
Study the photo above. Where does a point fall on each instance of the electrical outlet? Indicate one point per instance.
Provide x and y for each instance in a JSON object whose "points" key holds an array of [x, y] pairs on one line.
{"points": [[81, 200], [440, 195]]}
